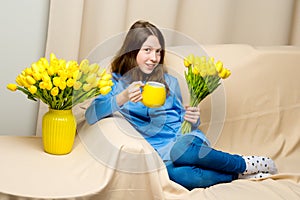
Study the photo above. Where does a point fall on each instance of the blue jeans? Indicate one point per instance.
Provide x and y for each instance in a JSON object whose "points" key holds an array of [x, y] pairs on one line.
{"points": [[194, 164]]}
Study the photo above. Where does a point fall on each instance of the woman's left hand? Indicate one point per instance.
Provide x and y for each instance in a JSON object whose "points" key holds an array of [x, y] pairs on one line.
{"points": [[192, 114]]}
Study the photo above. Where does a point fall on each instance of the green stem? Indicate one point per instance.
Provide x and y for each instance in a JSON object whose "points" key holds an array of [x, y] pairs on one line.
{"points": [[186, 127]]}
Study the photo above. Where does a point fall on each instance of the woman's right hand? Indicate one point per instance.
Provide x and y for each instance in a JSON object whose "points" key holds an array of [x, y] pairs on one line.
{"points": [[131, 93], [134, 91]]}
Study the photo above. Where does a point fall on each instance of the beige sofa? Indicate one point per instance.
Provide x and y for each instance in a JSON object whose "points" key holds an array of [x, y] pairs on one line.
{"points": [[254, 112]]}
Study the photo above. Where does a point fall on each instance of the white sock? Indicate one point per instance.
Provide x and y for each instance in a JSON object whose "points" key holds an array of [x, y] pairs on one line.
{"points": [[256, 176], [257, 164]]}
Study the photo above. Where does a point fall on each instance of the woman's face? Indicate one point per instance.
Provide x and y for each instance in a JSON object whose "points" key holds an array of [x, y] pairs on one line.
{"points": [[149, 55]]}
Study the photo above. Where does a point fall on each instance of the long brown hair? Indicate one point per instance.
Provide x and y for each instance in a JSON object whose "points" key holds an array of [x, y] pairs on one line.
{"points": [[125, 59]]}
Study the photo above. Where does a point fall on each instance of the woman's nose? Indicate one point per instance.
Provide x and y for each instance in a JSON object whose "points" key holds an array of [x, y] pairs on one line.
{"points": [[153, 56]]}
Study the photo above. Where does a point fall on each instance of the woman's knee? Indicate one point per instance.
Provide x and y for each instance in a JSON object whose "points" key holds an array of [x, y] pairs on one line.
{"points": [[183, 176], [193, 177], [184, 149]]}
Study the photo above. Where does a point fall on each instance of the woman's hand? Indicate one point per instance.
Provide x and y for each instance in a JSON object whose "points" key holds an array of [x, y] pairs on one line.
{"points": [[134, 91], [131, 93], [192, 114]]}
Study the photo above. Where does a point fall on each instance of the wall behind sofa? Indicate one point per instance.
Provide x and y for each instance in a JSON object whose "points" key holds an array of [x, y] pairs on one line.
{"points": [[22, 41], [77, 26]]}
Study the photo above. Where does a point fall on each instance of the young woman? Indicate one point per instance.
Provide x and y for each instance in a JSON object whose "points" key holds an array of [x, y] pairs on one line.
{"points": [[189, 158]]}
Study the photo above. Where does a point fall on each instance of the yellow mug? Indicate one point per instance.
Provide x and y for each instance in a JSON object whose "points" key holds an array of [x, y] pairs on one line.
{"points": [[154, 94]]}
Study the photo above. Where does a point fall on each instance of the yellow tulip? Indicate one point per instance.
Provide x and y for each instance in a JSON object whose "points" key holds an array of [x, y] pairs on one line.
{"points": [[186, 63], [62, 63], [85, 69], [52, 57], [28, 71], [49, 85], [54, 64], [223, 73], [43, 64], [219, 66], [32, 89], [91, 78], [56, 81], [70, 82], [79, 75], [46, 77], [103, 83], [70, 63], [94, 84], [24, 82], [211, 72], [37, 76], [34, 68], [19, 81], [211, 68], [30, 80], [190, 58], [195, 70], [83, 62], [203, 73], [51, 71], [12, 87], [63, 74], [106, 77], [197, 61], [69, 74], [75, 74], [105, 90], [84, 66], [110, 83], [64, 77], [54, 91], [77, 85], [45, 85], [101, 72], [203, 66], [87, 87], [62, 85], [94, 68], [42, 85], [228, 73], [211, 64]]}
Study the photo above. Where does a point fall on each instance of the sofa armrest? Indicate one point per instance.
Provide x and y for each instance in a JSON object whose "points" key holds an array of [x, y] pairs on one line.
{"points": [[115, 143]]}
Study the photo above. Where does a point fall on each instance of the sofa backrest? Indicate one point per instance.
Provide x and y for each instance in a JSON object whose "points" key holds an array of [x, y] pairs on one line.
{"points": [[258, 105]]}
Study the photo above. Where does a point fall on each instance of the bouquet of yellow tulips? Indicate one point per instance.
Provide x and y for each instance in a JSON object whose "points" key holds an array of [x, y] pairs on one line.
{"points": [[203, 76], [62, 84]]}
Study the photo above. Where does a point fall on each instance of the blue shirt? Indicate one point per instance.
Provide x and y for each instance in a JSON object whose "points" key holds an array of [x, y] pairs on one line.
{"points": [[159, 126]]}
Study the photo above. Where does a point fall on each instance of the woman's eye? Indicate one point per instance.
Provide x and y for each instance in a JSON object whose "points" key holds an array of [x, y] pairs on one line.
{"points": [[147, 49]]}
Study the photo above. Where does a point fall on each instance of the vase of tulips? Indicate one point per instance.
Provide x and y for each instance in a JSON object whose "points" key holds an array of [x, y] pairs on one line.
{"points": [[61, 85], [203, 76]]}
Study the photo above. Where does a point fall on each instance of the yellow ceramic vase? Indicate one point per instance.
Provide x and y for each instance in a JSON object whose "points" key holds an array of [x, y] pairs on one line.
{"points": [[58, 131]]}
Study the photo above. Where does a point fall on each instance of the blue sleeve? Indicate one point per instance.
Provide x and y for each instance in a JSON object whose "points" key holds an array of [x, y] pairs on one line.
{"points": [[173, 86], [175, 89], [102, 106]]}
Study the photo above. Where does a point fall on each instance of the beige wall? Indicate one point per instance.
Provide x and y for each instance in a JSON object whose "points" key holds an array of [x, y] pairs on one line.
{"points": [[76, 27], [22, 41]]}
